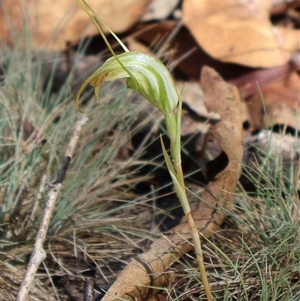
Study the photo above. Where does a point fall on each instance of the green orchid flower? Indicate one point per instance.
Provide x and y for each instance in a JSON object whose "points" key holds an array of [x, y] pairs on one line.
{"points": [[146, 75]]}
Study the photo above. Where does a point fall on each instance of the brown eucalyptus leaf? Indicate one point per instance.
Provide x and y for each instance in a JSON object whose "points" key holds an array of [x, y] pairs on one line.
{"points": [[277, 103], [53, 23], [255, 80], [223, 99], [240, 32], [149, 269]]}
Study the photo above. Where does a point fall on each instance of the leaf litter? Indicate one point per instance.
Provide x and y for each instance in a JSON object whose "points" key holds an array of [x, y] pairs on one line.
{"points": [[120, 250]]}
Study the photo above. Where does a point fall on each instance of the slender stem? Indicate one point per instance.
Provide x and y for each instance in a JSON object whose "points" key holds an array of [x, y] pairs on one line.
{"points": [[195, 234], [170, 121], [173, 125], [180, 177]]}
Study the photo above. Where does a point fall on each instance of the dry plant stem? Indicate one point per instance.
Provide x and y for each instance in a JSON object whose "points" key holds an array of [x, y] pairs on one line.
{"points": [[38, 254]]}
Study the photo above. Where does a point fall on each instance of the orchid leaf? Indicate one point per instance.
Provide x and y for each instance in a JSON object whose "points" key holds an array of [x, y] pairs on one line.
{"points": [[167, 157]]}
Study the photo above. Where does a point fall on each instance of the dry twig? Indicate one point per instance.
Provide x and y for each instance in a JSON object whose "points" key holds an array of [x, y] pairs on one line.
{"points": [[38, 254]]}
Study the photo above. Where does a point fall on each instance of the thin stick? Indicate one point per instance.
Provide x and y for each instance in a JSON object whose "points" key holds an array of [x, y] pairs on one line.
{"points": [[88, 289], [38, 254]]}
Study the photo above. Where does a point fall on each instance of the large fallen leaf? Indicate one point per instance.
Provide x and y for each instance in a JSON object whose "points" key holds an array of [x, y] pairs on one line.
{"points": [[240, 31], [251, 82], [277, 103], [185, 56], [53, 23], [148, 270]]}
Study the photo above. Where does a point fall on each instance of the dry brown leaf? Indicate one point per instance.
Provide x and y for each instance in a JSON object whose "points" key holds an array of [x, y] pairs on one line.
{"points": [[186, 57], [252, 81], [53, 23], [282, 6], [278, 103], [149, 269], [195, 121], [240, 31], [192, 95]]}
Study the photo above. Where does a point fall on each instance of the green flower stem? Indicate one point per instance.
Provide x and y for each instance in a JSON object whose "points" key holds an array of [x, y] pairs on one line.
{"points": [[194, 231], [173, 128], [170, 121], [173, 125]]}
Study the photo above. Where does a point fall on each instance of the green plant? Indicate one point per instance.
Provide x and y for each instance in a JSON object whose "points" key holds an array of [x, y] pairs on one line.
{"points": [[148, 76]]}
